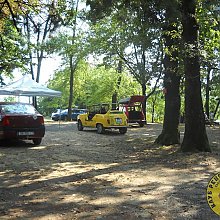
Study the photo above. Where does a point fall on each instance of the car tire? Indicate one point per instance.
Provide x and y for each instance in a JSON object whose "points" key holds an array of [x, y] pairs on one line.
{"points": [[122, 130], [100, 129], [79, 126], [141, 124], [37, 141]]}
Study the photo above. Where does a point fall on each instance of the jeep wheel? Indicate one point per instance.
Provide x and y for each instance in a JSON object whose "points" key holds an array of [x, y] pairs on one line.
{"points": [[122, 130], [100, 129], [79, 126]]}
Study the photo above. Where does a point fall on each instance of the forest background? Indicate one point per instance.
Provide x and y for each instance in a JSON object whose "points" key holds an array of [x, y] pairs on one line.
{"points": [[114, 49]]}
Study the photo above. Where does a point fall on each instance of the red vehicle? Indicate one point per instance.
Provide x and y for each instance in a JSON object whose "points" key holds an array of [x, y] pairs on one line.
{"points": [[21, 121], [133, 108]]}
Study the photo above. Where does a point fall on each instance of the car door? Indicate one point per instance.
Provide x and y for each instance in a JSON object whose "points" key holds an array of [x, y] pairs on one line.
{"points": [[90, 119]]}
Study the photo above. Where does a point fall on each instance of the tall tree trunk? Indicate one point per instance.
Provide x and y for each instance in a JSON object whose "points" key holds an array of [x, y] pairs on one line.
{"points": [[216, 109], [154, 99], [195, 137], [73, 62], [170, 133], [72, 70], [115, 94], [144, 105]]}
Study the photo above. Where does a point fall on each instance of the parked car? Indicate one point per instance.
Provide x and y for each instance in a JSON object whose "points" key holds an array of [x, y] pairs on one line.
{"points": [[77, 112], [102, 117], [133, 108], [55, 114], [217, 122], [21, 121], [63, 115]]}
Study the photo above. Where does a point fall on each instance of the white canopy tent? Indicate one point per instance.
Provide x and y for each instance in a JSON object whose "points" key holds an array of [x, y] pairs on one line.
{"points": [[28, 87]]}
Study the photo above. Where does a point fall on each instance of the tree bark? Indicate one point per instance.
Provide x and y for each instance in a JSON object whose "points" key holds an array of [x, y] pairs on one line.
{"points": [[115, 94], [217, 106], [144, 105], [170, 133], [73, 62], [195, 137], [153, 108]]}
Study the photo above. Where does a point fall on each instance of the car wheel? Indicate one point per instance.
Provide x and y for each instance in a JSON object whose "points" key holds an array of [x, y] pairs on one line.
{"points": [[65, 118], [79, 126], [122, 130], [141, 124], [37, 141], [100, 129]]}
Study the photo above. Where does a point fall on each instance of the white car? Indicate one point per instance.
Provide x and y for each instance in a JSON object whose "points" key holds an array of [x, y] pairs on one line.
{"points": [[217, 122]]}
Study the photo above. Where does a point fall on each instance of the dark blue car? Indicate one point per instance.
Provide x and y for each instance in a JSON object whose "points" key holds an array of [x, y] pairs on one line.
{"points": [[63, 115]]}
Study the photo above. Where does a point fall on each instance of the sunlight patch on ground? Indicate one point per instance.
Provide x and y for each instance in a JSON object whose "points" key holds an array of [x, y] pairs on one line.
{"points": [[107, 200], [41, 147], [69, 169]]}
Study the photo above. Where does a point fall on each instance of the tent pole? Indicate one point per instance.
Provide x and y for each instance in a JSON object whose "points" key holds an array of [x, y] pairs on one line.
{"points": [[59, 113]]}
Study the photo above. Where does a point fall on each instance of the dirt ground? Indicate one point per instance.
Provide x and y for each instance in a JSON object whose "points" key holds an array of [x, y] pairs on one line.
{"points": [[87, 176]]}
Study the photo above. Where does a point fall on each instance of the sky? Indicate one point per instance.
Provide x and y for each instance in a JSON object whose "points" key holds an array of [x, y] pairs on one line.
{"points": [[48, 68]]}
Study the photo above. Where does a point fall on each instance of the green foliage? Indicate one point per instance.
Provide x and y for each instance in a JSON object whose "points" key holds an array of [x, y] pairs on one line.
{"points": [[208, 18], [128, 36], [10, 11], [113, 30], [12, 50], [209, 34], [10, 99], [92, 85], [155, 107]]}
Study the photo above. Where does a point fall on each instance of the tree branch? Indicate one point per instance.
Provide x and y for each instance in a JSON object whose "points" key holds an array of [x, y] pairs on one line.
{"points": [[12, 14]]}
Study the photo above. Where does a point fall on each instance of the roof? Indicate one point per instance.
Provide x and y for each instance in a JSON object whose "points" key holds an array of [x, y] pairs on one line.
{"points": [[28, 87], [132, 99]]}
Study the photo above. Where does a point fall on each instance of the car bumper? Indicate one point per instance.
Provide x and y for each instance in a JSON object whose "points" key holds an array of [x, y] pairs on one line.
{"points": [[55, 118], [136, 121], [115, 127], [22, 133]]}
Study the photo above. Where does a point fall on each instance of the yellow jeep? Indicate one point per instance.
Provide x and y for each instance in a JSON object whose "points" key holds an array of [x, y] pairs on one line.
{"points": [[101, 116]]}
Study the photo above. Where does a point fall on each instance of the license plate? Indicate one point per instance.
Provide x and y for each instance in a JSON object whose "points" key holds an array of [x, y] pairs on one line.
{"points": [[28, 133], [118, 120]]}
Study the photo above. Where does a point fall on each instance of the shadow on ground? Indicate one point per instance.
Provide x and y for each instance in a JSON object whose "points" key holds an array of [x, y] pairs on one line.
{"points": [[84, 175]]}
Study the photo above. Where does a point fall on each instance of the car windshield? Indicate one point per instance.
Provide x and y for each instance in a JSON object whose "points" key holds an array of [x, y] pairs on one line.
{"points": [[18, 108], [57, 111], [82, 111]]}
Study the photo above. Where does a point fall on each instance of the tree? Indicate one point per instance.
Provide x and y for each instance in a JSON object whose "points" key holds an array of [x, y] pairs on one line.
{"points": [[39, 20], [87, 79], [12, 51], [10, 11], [208, 18], [170, 133], [130, 33], [73, 60], [195, 137], [70, 44], [155, 107], [38, 25]]}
